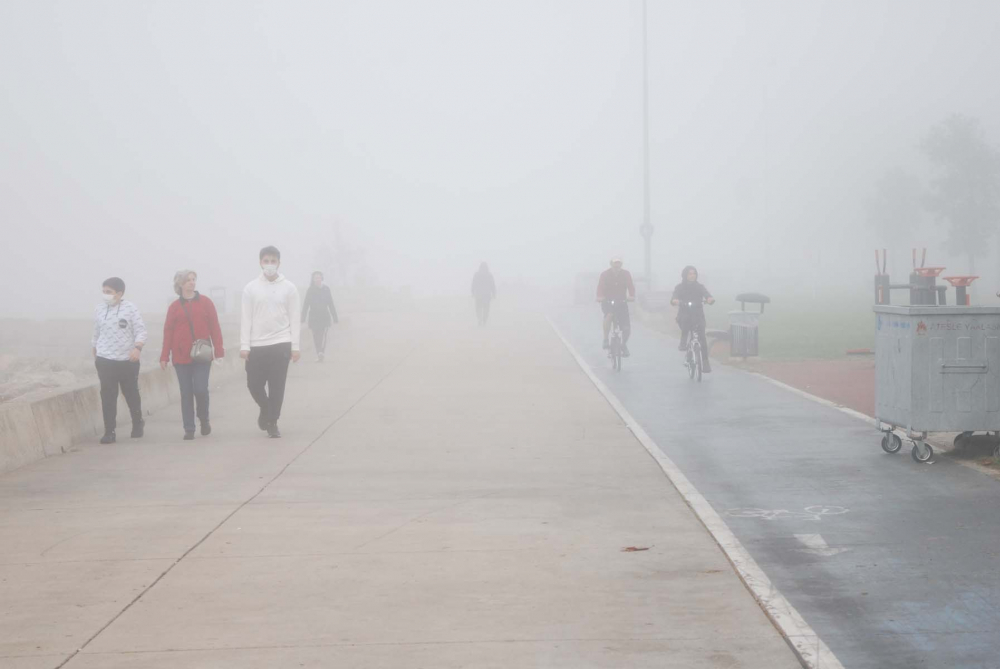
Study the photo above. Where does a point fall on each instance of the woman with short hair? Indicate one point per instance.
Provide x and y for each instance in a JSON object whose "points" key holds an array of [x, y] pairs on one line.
{"points": [[192, 336]]}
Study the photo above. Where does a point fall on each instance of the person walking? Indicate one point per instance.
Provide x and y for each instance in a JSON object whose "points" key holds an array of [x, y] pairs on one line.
{"points": [[192, 336], [318, 307], [269, 337], [484, 290], [119, 335]]}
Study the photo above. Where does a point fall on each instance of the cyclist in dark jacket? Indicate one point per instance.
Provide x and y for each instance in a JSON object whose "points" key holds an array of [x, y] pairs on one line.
{"points": [[319, 309], [689, 296]]}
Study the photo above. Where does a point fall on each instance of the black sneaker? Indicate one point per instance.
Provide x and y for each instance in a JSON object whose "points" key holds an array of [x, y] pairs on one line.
{"points": [[138, 429], [605, 345], [206, 428], [189, 436], [625, 352], [262, 420], [108, 438], [273, 432]]}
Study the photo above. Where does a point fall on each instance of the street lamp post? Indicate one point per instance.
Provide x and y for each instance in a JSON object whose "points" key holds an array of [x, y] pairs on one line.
{"points": [[646, 230]]}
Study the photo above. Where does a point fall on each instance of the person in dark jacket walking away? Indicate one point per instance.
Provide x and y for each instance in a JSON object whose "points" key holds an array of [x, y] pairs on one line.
{"points": [[319, 309], [119, 335], [484, 290], [690, 296], [269, 337], [192, 317]]}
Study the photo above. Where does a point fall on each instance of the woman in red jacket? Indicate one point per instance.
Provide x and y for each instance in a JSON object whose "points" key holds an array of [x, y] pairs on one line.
{"points": [[192, 318]]}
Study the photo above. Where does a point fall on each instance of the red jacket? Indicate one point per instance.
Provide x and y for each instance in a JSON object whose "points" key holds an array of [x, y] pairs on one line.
{"points": [[614, 286], [177, 333]]}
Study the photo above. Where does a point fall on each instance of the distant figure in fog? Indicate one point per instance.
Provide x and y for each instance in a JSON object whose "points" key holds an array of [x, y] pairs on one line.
{"points": [[615, 289], [484, 290], [690, 296], [193, 338], [269, 337], [119, 335], [319, 309]]}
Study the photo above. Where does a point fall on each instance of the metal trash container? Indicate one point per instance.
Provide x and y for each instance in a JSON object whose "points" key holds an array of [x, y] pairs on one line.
{"points": [[743, 334], [744, 325], [937, 369]]}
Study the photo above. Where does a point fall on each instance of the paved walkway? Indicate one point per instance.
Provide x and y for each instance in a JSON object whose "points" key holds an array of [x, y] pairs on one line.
{"points": [[444, 496]]}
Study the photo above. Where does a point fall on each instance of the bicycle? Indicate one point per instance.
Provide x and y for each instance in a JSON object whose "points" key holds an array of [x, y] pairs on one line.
{"points": [[693, 359], [615, 340]]}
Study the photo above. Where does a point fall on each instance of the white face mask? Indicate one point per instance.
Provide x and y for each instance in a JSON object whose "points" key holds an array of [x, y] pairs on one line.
{"points": [[108, 298], [270, 270]]}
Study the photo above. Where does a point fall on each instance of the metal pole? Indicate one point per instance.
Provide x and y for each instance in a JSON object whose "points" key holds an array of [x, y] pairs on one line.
{"points": [[647, 227]]}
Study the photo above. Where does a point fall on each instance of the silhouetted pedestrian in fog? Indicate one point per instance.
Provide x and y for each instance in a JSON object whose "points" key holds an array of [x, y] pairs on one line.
{"points": [[319, 309], [484, 290]]}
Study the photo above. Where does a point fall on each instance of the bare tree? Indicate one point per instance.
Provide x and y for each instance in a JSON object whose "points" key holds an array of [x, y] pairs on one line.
{"points": [[965, 192]]}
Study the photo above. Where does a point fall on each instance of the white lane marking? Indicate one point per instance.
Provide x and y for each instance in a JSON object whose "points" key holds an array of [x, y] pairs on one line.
{"points": [[811, 650], [814, 398], [809, 513], [816, 544]]}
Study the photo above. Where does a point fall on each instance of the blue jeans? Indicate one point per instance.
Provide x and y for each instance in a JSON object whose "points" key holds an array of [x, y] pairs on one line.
{"points": [[193, 380]]}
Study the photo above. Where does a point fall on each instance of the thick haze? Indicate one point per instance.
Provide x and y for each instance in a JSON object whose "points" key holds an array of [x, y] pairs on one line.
{"points": [[137, 138]]}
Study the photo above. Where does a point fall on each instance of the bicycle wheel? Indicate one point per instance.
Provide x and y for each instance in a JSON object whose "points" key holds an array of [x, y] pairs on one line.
{"points": [[689, 363], [697, 362]]}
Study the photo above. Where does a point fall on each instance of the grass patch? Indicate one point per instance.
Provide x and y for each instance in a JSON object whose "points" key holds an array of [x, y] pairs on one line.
{"points": [[795, 328]]}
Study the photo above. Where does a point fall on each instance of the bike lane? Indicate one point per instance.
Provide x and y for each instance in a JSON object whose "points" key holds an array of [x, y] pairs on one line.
{"points": [[892, 563]]}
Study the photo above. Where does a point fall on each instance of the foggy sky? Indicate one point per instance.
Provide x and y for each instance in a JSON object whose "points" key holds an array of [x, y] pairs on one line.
{"points": [[137, 138]]}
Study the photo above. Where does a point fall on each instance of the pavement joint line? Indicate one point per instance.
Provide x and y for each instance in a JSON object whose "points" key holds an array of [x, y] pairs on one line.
{"points": [[810, 649], [422, 516], [378, 644], [302, 452]]}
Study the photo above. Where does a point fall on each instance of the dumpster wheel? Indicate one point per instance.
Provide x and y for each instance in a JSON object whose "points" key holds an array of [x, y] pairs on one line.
{"points": [[928, 452], [891, 442]]}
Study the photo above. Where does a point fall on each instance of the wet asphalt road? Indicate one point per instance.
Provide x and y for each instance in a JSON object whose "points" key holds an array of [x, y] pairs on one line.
{"points": [[906, 569]]}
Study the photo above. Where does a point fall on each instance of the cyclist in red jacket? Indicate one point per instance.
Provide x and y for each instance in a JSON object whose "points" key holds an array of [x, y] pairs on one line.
{"points": [[614, 291]]}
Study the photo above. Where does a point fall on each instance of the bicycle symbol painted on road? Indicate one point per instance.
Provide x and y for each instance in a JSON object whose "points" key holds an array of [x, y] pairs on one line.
{"points": [[816, 512]]}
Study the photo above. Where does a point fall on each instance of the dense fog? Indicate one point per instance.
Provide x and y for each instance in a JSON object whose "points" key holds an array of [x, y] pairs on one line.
{"points": [[398, 144]]}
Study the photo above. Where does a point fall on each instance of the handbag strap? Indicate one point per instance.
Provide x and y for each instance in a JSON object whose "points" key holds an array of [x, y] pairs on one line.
{"points": [[190, 322]]}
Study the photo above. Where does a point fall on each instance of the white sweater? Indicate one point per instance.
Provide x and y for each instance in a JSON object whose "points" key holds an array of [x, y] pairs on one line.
{"points": [[270, 313]]}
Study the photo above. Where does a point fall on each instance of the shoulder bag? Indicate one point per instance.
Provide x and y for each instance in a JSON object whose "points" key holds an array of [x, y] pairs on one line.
{"points": [[201, 349]]}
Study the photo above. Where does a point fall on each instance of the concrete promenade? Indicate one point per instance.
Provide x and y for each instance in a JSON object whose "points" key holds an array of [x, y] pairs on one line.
{"points": [[444, 496]]}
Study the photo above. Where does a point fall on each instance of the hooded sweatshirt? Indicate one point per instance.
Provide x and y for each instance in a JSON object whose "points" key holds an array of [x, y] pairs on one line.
{"points": [[270, 313], [117, 329]]}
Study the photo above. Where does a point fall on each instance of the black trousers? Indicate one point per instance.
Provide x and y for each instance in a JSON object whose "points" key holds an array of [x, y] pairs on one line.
{"points": [[267, 369], [620, 308], [319, 338], [482, 310], [114, 374], [697, 326]]}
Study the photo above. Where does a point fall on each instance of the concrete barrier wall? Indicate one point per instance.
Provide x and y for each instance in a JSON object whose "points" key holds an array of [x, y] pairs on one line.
{"points": [[34, 427]]}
